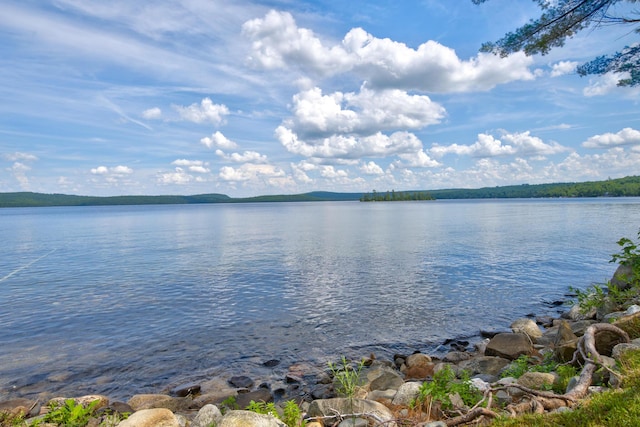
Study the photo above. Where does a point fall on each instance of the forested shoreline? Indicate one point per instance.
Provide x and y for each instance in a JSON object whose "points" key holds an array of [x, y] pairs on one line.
{"points": [[621, 187]]}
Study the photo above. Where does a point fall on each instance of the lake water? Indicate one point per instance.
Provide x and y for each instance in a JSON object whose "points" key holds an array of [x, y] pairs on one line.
{"points": [[122, 300]]}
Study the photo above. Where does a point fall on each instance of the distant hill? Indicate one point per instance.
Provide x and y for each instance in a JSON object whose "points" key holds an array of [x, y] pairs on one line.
{"points": [[622, 187]]}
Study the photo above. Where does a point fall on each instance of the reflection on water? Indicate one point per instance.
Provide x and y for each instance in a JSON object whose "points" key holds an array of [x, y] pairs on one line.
{"points": [[123, 300]]}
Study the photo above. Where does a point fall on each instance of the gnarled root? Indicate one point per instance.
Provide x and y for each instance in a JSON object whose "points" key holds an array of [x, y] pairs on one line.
{"points": [[541, 401]]}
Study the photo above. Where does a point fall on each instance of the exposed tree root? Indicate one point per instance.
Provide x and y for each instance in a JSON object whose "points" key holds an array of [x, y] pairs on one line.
{"points": [[541, 401]]}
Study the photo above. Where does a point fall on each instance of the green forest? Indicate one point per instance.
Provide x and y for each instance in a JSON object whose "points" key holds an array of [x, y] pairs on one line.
{"points": [[621, 187]]}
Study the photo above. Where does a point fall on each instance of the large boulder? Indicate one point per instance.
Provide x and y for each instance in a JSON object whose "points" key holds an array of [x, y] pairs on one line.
{"points": [[249, 419], [623, 277], [407, 393], [346, 406], [383, 378], [509, 346], [527, 327], [157, 417], [418, 366]]}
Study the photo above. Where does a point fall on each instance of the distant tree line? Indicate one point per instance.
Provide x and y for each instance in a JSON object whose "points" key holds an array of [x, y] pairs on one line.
{"points": [[395, 196], [621, 187]]}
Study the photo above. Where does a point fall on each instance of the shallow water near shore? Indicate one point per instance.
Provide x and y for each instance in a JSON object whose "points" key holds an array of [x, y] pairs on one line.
{"points": [[120, 300]]}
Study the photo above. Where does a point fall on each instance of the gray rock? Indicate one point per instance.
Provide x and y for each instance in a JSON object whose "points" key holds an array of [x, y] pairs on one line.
{"points": [[484, 365], [260, 395], [249, 419], [536, 380], [509, 346], [152, 401], [385, 378], [207, 416], [456, 356], [380, 395], [622, 347], [527, 327], [406, 393], [241, 381], [622, 277], [157, 417], [354, 422], [184, 390]]}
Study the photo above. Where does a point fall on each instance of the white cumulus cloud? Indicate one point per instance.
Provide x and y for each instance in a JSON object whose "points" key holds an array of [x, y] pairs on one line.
{"points": [[245, 157], [195, 166], [626, 136], [486, 145], [154, 113], [205, 112], [563, 67], [217, 139], [277, 42]]}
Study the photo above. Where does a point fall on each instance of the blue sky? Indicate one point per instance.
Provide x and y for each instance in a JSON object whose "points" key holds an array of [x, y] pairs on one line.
{"points": [[281, 97]]}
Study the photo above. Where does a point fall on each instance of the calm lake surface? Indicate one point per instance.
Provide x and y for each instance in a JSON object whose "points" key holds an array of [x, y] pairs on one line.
{"points": [[122, 300]]}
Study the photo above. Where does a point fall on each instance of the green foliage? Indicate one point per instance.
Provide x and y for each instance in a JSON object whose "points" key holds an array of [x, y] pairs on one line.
{"points": [[70, 414], [11, 420], [565, 373], [348, 377], [396, 196], [291, 413], [610, 408], [517, 368], [228, 404], [263, 408], [561, 20], [444, 385], [595, 296]]}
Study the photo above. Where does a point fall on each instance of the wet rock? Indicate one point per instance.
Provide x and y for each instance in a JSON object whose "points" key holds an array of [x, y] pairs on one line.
{"points": [[241, 381], [271, 363], [119, 407], [249, 419], [157, 417], [188, 389], [509, 346], [322, 391], [260, 395]]}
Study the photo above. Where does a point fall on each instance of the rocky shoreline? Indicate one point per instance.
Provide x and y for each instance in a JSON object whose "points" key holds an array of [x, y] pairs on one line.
{"points": [[387, 388]]}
